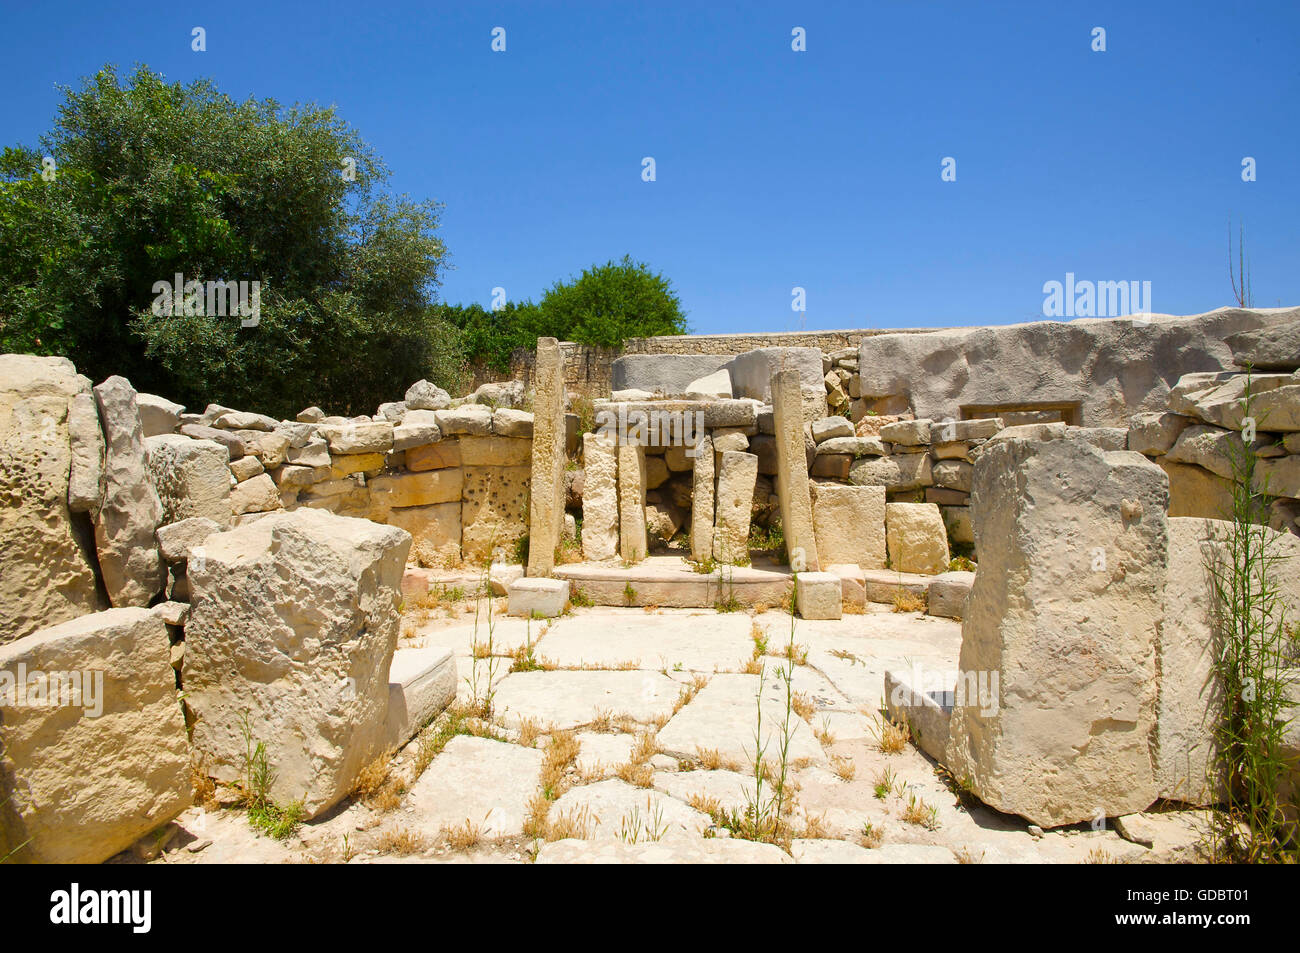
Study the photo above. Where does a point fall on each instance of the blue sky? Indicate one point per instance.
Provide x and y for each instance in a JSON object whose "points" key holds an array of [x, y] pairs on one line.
{"points": [[775, 169]]}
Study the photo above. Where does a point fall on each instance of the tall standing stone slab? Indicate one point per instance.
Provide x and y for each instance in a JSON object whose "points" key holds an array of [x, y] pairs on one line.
{"points": [[599, 498], [131, 512], [46, 573], [702, 501], [849, 522], [100, 758], [735, 505], [546, 505], [1065, 613], [631, 502], [792, 470], [293, 625]]}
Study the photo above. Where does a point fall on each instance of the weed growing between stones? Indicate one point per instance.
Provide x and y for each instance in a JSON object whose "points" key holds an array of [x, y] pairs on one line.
{"points": [[1250, 662], [264, 815], [482, 695], [727, 602], [764, 817]]}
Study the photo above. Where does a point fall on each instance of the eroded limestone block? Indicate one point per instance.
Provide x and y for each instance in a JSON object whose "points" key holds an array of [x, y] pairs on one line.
{"points": [[82, 779], [850, 524], [435, 532], [131, 512], [546, 500], [632, 542], [917, 539], [702, 501], [494, 510], [599, 498], [46, 567], [735, 502], [792, 470], [293, 626], [1064, 612], [191, 477]]}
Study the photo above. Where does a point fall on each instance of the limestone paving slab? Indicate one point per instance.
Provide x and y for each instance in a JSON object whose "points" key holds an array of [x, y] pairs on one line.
{"points": [[476, 780], [618, 810], [703, 641], [731, 789], [568, 699], [723, 715]]}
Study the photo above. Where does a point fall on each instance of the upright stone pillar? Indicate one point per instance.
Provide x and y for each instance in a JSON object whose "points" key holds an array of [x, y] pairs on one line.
{"points": [[792, 470], [631, 502], [546, 490], [736, 478], [702, 501], [1055, 708], [599, 498]]}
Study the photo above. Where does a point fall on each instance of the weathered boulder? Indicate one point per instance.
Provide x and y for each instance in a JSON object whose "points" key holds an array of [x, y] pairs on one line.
{"points": [[849, 523], [177, 540], [472, 419], [1276, 348], [715, 385], [191, 477], [373, 437], [916, 537], [1065, 613], [1220, 399], [45, 561], [131, 512], [1154, 434], [423, 395], [901, 471], [158, 415], [500, 394], [93, 752], [1110, 368], [752, 372], [293, 626]]}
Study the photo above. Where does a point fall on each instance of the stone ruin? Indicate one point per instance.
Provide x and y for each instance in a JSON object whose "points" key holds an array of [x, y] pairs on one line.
{"points": [[257, 566]]}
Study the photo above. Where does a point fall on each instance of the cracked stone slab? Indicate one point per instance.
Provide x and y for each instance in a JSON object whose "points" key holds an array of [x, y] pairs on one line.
{"points": [[616, 809], [485, 783], [508, 635], [732, 791], [723, 717], [569, 699], [694, 641], [603, 750]]}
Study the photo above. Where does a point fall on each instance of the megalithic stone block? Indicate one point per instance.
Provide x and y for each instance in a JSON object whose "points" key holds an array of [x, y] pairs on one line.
{"points": [[599, 497], [736, 478], [631, 502], [702, 501], [546, 490], [792, 470], [1055, 708]]}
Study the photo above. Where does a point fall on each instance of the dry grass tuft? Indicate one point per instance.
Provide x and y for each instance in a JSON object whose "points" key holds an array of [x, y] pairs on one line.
{"points": [[905, 601], [803, 706], [463, 837], [402, 842], [891, 738], [844, 768]]}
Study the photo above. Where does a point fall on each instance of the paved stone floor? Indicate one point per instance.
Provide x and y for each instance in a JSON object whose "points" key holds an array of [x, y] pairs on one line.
{"points": [[628, 734]]}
